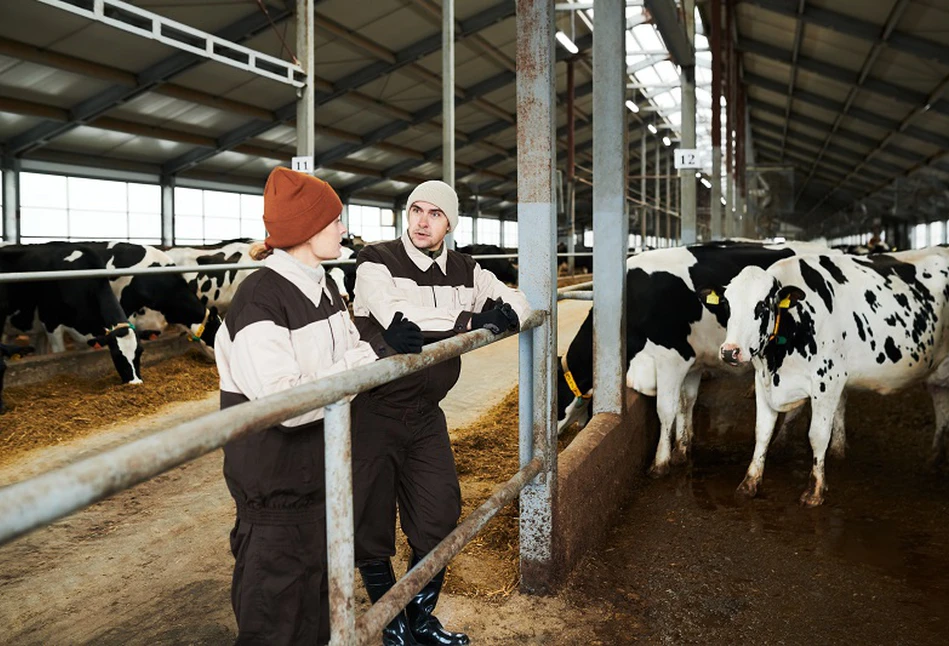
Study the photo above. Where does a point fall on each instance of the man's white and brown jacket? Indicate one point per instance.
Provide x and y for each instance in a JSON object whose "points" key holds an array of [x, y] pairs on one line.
{"points": [[286, 326], [438, 294]]}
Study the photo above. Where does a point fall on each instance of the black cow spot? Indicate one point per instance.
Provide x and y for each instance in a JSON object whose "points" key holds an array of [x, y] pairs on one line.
{"points": [[873, 344], [206, 285], [926, 274], [833, 270], [902, 300], [776, 379], [217, 294], [872, 300], [823, 388], [860, 332], [881, 358], [816, 282], [845, 335], [892, 352]]}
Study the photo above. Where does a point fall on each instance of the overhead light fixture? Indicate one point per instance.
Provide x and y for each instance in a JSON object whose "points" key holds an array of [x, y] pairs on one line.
{"points": [[706, 183], [652, 128], [723, 202], [632, 106], [699, 175], [667, 141], [568, 44]]}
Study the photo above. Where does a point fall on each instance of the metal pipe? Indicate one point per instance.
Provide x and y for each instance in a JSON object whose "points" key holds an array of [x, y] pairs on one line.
{"points": [[575, 296], [644, 210], [688, 211], [574, 288], [571, 168], [306, 101], [11, 199], [716, 194], [26, 505], [385, 609], [339, 522], [729, 221], [448, 100]]}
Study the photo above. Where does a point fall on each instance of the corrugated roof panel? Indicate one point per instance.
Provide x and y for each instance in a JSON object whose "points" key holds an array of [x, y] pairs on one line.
{"points": [[888, 108], [13, 124], [280, 134], [927, 19], [38, 24], [908, 71], [831, 46], [821, 85], [875, 12], [148, 149], [87, 139], [42, 84]]}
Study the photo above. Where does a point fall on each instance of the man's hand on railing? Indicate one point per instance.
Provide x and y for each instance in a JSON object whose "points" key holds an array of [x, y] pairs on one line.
{"points": [[404, 336], [500, 319]]}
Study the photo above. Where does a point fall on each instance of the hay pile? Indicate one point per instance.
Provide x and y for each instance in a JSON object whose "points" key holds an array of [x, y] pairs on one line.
{"points": [[68, 407]]}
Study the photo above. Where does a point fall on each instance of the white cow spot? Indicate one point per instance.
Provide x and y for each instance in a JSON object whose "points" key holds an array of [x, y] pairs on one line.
{"points": [[75, 255]]}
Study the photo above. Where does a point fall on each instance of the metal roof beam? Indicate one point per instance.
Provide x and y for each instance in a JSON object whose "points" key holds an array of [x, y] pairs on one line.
{"points": [[798, 37], [817, 124], [365, 75], [665, 15], [44, 132], [866, 116], [841, 75], [896, 14], [852, 26]]}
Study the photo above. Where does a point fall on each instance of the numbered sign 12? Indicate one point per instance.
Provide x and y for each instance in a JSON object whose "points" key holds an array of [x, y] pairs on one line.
{"points": [[688, 158]]}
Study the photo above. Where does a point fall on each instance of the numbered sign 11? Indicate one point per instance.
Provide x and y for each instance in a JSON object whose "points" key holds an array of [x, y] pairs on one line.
{"points": [[302, 164]]}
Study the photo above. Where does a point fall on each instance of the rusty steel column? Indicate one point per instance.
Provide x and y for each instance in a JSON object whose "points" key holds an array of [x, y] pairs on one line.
{"points": [[571, 168], [306, 105], [688, 211], [339, 523], [610, 223], [537, 243], [716, 45], [739, 155]]}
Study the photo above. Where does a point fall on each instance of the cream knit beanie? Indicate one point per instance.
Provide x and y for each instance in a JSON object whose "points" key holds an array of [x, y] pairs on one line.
{"points": [[441, 195]]}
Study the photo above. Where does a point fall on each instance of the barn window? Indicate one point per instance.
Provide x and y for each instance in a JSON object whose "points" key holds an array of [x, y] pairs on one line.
{"points": [[204, 216], [463, 233], [510, 234], [489, 231]]}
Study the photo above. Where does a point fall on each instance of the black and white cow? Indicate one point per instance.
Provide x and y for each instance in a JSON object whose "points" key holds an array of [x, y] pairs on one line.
{"points": [[87, 305], [813, 326], [504, 268], [151, 301], [214, 288], [672, 337]]}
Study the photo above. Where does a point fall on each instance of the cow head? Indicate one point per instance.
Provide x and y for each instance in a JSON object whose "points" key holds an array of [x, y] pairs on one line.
{"points": [[755, 301], [206, 331], [125, 349]]}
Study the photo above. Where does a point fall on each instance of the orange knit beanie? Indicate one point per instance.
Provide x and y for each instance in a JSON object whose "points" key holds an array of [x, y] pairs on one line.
{"points": [[297, 206]]}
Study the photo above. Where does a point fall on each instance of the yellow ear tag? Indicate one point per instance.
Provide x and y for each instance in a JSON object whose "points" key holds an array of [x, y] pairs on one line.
{"points": [[786, 303], [712, 298]]}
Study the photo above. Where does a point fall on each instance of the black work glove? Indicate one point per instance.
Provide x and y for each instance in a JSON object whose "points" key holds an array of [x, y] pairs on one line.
{"points": [[500, 319], [403, 335]]}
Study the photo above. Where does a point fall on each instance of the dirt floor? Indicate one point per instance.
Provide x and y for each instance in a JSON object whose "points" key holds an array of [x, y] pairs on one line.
{"points": [[685, 563]]}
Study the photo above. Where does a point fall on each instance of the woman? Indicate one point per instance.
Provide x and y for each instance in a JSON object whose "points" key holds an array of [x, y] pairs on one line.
{"points": [[287, 326]]}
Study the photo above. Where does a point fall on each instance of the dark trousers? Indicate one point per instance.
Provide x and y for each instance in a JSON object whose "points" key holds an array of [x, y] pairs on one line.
{"points": [[401, 457], [279, 591]]}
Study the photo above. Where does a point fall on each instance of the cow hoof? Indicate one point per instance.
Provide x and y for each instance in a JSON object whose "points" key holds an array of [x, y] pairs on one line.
{"points": [[659, 470], [748, 488], [812, 499], [680, 457]]}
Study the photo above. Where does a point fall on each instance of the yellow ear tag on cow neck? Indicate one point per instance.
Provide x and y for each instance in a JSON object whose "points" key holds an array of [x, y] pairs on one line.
{"points": [[712, 298], [786, 303]]}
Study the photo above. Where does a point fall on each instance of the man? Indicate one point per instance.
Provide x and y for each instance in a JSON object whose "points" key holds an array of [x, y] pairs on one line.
{"points": [[401, 450]]}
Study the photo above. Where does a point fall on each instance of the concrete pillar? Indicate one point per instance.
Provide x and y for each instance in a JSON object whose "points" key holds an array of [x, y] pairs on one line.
{"points": [[610, 225], [168, 211], [537, 243], [11, 199], [448, 104], [716, 178], [687, 176], [643, 169]]}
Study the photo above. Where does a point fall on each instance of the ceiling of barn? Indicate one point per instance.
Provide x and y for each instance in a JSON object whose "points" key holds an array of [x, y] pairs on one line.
{"points": [[848, 94]]}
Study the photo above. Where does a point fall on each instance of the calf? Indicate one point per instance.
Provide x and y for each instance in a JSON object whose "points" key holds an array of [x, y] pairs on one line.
{"points": [[156, 299], [813, 326], [87, 305], [672, 335]]}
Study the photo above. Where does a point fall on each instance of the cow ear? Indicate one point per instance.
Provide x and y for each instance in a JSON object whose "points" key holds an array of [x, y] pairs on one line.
{"points": [[789, 296], [711, 297]]}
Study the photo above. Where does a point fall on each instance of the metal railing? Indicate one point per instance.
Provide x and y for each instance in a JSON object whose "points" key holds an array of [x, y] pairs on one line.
{"points": [[36, 502]]}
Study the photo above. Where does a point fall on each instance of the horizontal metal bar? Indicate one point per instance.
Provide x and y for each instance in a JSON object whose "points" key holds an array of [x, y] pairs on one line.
{"points": [[575, 288], [382, 612], [576, 296], [36, 502], [70, 274]]}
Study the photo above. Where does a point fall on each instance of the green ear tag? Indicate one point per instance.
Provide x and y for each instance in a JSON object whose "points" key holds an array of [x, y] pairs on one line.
{"points": [[782, 340]]}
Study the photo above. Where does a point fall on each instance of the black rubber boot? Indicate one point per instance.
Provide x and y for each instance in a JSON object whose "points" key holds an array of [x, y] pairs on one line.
{"points": [[378, 577], [426, 628]]}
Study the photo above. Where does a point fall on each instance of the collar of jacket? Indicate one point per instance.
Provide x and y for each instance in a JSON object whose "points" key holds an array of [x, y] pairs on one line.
{"points": [[421, 260], [310, 280]]}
